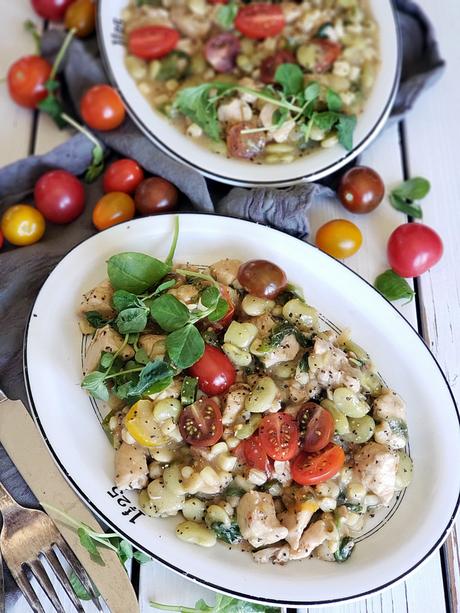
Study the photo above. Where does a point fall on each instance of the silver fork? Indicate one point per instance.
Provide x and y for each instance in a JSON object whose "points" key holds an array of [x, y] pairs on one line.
{"points": [[26, 538]]}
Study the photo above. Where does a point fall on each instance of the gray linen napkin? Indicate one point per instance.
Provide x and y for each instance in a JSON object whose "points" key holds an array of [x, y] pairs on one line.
{"points": [[22, 271]]}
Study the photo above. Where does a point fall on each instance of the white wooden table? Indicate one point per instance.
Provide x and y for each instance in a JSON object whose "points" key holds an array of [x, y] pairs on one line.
{"points": [[425, 144]]}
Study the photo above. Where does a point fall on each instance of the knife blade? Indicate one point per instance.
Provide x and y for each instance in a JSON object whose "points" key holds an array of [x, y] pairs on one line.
{"points": [[26, 448]]}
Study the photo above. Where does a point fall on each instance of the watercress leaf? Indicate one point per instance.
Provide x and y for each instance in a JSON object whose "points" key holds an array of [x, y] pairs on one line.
{"points": [[124, 551], [406, 206], [393, 287], [290, 77], [345, 127], [107, 359], [226, 15], [52, 106], [90, 545], [123, 390], [280, 116], [169, 313], [164, 286], [141, 356], [154, 377], [325, 121], [122, 300], [175, 65], [96, 319], [80, 590], [185, 346], [94, 384], [220, 310], [209, 297], [333, 100], [413, 189], [96, 167], [131, 321], [135, 272], [141, 557], [311, 92]]}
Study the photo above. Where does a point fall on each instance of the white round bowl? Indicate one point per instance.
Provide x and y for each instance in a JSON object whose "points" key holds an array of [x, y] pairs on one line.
{"points": [[237, 172]]}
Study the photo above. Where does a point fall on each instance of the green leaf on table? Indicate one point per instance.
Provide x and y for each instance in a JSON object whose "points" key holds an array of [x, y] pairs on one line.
{"points": [[96, 167], [89, 544], [185, 346], [95, 319], [135, 272], [333, 101], [132, 320], [223, 604], [169, 312], [393, 287], [141, 557], [153, 378], [345, 128], [94, 384], [51, 105], [413, 209], [226, 14], [413, 189], [290, 77]]}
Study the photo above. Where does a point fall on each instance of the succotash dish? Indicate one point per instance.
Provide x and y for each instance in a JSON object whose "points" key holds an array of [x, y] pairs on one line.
{"points": [[231, 403], [267, 82]]}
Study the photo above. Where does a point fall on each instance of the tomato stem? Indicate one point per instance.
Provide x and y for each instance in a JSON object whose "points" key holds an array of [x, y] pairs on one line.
{"points": [[31, 27], [198, 275], [61, 53], [89, 135], [123, 372]]}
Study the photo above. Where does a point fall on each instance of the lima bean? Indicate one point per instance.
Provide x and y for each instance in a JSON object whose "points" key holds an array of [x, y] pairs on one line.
{"points": [[349, 403]]}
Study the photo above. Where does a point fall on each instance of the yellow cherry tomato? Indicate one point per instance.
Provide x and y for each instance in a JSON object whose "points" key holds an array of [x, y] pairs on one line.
{"points": [[81, 16], [339, 238], [113, 208], [22, 225], [143, 426]]}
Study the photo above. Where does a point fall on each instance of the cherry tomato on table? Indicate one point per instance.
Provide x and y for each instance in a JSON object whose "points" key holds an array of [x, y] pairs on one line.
{"points": [[155, 195], [280, 436], [112, 209], [51, 9], [102, 108], [254, 453], [414, 248], [81, 16], [327, 52], [60, 196], [26, 80], [272, 62], [339, 238], [200, 423], [22, 225], [245, 146], [261, 20], [314, 468], [262, 278], [316, 426], [152, 42], [214, 371], [361, 190], [221, 51], [122, 176]]}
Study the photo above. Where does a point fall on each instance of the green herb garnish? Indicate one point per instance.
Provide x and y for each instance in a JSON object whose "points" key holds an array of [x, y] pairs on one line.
{"points": [[404, 197], [393, 287]]}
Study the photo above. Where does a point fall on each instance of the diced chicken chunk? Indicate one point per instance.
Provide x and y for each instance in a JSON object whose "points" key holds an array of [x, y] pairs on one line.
{"points": [[296, 519], [186, 293], [389, 406], [314, 536], [225, 271], [99, 299], [376, 468], [153, 344], [264, 323], [276, 555], [234, 111], [108, 340], [281, 134], [234, 402], [190, 24], [257, 520], [286, 351], [131, 471], [331, 367]]}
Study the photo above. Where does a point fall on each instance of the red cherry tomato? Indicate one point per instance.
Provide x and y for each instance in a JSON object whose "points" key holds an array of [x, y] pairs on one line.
{"points": [[255, 454], [51, 9], [155, 195], [262, 278], [271, 63], [122, 176], [113, 208], [260, 20], [245, 146], [361, 190], [26, 80], [60, 196], [314, 468], [316, 426], [200, 423], [280, 436], [214, 371], [102, 108], [221, 51], [152, 42], [327, 53], [223, 323], [414, 248]]}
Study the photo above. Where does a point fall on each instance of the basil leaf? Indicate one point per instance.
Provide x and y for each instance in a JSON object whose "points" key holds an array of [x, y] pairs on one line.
{"points": [[345, 128], [185, 346], [169, 313], [154, 377], [135, 272], [290, 77], [141, 557], [90, 545], [325, 121], [333, 101], [226, 15], [122, 300], [96, 319], [94, 384], [311, 92], [393, 287], [405, 206], [413, 189], [131, 321], [220, 310]]}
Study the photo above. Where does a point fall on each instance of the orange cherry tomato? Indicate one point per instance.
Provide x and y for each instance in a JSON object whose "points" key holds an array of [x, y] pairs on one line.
{"points": [[339, 238], [102, 108], [22, 225], [314, 468], [112, 209], [81, 16]]}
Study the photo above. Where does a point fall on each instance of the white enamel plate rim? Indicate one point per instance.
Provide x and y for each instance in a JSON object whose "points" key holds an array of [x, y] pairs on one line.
{"points": [[237, 172], [75, 439]]}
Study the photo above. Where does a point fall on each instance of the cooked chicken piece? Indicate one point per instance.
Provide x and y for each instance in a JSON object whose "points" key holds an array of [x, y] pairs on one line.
{"points": [[257, 519], [392, 437], [85, 326], [248, 82], [282, 472], [99, 299], [153, 345], [189, 24], [376, 468], [276, 555], [331, 367], [287, 350], [225, 271], [234, 402], [186, 293], [314, 536], [264, 323], [296, 519], [108, 340], [234, 111], [281, 134], [148, 16], [389, 406], [131, 471]]}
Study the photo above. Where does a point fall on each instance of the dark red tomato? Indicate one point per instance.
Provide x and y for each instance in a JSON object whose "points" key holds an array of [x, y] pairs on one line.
{"points": [[60, 196], [414, 248], [1, 240], [316, 426], [262, 278], [26, 80], [361, 190], [223, 323], [327, 53], [122, 176], [260, 20], [214, 371], [102, 108], [200, 423], [271, 63], [152, 42], [255, 454], [314, 468], [155, 195], [280, 436], [221, 51], [245, 146], [51, 9]]}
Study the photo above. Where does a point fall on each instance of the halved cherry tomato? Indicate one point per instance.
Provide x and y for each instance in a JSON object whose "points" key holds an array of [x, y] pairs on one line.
{"points": [[340, 238], [328, 52], [26, 80], [142, 425], [81, 16], [102, 108], [51, 9], [316, 426], [112, 209], [223, 323], [245, 146], [22, 225], [314, 468], [262, 278], [272, 62], [200, 423], [60, 196], [152, 42], [414, 248], [214, 371], [255, 454], [260, 20], [123, 176], [280, 436]]}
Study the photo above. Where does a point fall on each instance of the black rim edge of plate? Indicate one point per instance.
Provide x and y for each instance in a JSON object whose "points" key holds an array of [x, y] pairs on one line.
{"points": [[219, 588], [313, 176]]}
